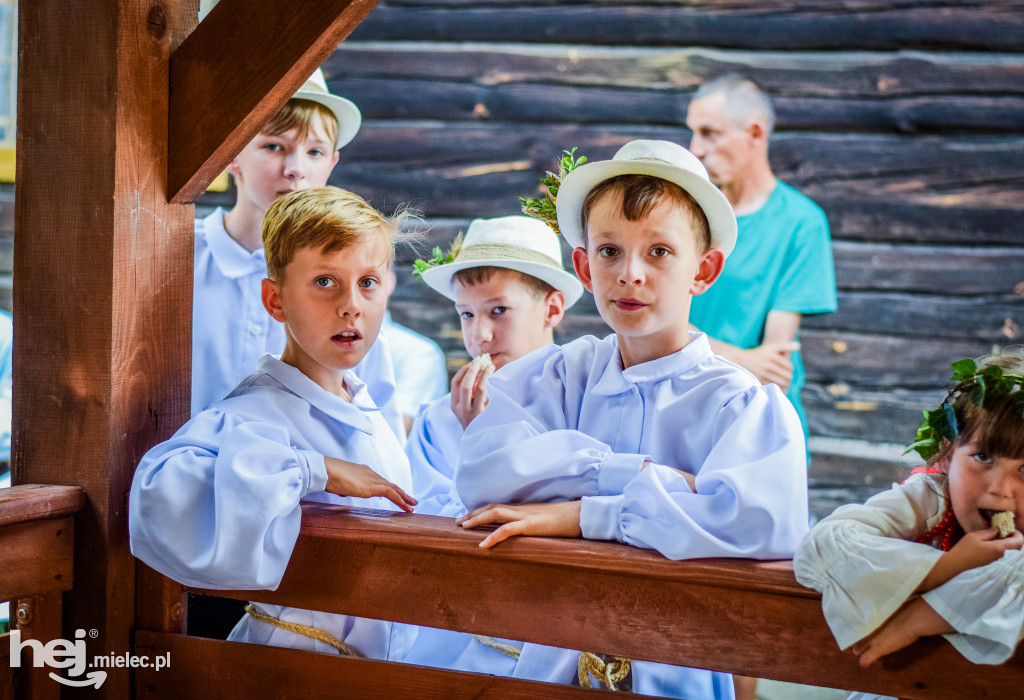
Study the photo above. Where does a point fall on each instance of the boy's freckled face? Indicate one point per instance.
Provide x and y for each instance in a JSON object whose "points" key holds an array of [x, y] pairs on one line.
{"points": [[982, 485], [642, 274], [332, 305], [501, 317], [274, 164]]}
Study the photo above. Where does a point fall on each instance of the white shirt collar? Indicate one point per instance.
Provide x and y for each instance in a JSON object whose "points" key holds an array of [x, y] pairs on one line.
{"points": [[615, 380], [357, 413], [233, 260]]}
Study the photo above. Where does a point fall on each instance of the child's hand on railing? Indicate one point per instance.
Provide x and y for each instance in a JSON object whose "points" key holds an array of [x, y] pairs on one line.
{"points": [[359, 481], [547, 519], [914, 620]]}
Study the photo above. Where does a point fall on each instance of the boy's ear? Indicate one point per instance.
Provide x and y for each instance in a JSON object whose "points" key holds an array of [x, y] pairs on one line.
{"points": [[233, 168], [581, 263], [271, 295], [708, 271], [555, 303]]}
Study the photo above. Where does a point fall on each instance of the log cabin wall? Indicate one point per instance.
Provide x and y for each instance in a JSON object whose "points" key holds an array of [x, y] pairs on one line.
{"points": [[902, 119]]}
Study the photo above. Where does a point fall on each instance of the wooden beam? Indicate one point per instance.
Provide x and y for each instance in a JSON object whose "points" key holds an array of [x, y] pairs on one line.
{"points": [[240, 65], [36, 558], [20, 504], [242, 671], [606, 597], [103, 300]]}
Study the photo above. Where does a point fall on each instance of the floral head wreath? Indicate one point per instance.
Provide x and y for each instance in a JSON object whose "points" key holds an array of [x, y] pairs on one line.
{"points": [[544, 209], [981, 385], [421, 266]]}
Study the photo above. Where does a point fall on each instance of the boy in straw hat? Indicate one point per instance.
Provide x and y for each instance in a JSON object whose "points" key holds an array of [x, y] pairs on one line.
{"points": [[646, 436], [298, 148], [510, 290]]}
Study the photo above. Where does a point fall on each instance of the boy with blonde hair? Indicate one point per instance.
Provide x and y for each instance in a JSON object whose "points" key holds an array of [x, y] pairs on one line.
{"points": [[646, 436], [298, 148], [218, 504]]}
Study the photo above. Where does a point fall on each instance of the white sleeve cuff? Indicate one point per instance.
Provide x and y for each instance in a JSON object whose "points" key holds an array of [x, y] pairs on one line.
{"points": [[616, 470], [313, 469], [599, 517]]}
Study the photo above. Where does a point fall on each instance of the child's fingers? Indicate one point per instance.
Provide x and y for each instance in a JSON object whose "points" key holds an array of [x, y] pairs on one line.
{"points": [[492, 513], [507, 530]]}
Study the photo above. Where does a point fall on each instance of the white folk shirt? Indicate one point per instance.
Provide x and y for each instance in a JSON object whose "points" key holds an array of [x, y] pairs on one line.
{"points": [[864, 561], [568, 422], [217, 505], [433, 452], [231, 329]]}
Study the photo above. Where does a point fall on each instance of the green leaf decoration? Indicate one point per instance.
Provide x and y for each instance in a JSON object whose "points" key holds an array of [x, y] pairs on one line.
{"points": [[545, 209], [440, 258], [989, 383], [964, 369]]}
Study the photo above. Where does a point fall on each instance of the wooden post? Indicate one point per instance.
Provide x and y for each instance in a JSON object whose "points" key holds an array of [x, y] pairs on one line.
{"points": [[103, 299]]}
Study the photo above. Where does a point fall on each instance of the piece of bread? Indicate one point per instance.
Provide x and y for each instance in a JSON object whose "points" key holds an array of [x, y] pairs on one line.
{"points": [[1004, 521], [484, 360]]}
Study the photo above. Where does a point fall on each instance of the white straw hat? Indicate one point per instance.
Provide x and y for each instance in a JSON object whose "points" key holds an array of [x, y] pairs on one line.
{"points": [[345, 111], [513, 242], [663, 159]]}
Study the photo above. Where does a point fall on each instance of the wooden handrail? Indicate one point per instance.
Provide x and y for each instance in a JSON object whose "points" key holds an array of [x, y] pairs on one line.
{"points": [[738, 616], [36, 567]]}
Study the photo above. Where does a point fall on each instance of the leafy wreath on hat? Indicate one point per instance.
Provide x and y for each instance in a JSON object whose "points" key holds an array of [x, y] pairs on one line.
{"points": [[989, 383], [545, 209]]}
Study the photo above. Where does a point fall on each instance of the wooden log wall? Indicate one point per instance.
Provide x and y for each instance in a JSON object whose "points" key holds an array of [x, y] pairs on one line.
{"points": [[901, 118]]}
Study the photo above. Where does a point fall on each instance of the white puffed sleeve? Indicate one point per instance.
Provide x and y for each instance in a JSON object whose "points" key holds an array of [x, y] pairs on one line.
{"points": [[751, 498], [433, 452], [860, 558], [986, 607], [217, 505], [521, 450]]}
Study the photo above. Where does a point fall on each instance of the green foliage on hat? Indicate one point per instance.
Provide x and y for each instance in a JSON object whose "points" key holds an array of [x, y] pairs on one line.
{"points": [[421, 266], [545, 209], [988, 384]]}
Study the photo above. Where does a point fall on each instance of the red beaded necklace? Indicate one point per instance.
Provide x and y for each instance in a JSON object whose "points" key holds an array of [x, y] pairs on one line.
{"points": [[946, 533]]}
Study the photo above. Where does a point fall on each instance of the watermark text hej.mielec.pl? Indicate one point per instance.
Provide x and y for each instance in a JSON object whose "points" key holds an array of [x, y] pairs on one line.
{"points": [[61, 653]]}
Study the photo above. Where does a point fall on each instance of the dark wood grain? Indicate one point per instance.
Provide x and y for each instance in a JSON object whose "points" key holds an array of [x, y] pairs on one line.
{"points": [[242, 63], [636, 603], [36, 558], [37, 502], [829, 25]]}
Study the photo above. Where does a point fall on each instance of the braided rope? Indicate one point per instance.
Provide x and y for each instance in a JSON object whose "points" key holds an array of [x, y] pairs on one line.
{"points": [[492, 643], [305, 630], [609, 673]]}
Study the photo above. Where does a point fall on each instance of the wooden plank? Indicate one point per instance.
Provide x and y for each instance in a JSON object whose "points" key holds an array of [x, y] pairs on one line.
{"points": [[926, 190], [993, 319], [41, 622], [841, 359], [243, 62], [38, 502], [945, 270], [246, 671], [827, 25], [637, 603], [104, 269], [160, 603], [36, 558], [888, 414], [832, 91], [6, 672]]}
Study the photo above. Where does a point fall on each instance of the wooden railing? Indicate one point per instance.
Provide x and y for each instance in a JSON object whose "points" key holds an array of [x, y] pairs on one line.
{"points": [[743, 617], [36, 555]]}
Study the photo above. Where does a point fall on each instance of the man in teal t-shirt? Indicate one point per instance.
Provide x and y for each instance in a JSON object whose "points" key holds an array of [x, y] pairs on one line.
{"points": [[781, 268]]}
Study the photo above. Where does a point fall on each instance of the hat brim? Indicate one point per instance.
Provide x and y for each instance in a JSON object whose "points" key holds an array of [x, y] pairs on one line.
{"points": [[578, 184], [345, 111], [440, 278]]}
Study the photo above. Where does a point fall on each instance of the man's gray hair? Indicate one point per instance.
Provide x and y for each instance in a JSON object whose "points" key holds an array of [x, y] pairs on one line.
{"points": [[743, 100]]}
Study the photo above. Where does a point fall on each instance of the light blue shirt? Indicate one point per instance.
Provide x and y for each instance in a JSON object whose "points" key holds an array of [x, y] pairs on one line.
{"points": [[231, 330], [433, 452], [6, 378], [217, 505], [421, 375], [782, 262], [569, 423]]}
